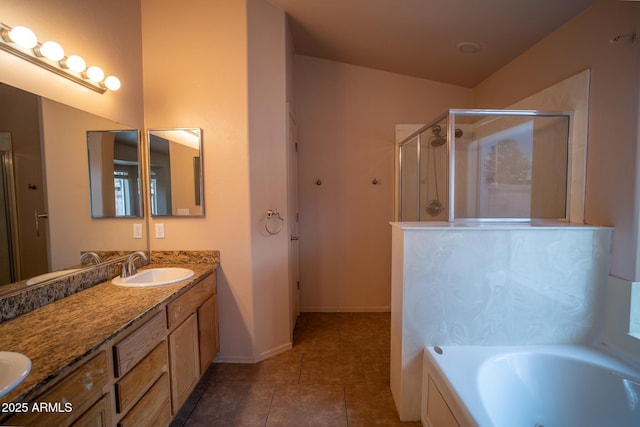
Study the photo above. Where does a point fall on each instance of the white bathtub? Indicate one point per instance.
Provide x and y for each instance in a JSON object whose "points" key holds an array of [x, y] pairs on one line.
{"points": [[528, 386]]}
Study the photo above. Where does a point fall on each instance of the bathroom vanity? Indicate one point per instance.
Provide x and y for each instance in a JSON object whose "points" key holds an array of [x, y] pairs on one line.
{"points": [[114, 356]]}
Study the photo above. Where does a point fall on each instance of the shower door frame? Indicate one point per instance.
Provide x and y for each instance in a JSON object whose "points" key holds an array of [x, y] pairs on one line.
{"points": [[10, 202], [408, 139], [450, 116], [451, 126]]}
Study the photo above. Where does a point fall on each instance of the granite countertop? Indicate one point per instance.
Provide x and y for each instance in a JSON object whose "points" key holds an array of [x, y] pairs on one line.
{"points": [[60, 334]]}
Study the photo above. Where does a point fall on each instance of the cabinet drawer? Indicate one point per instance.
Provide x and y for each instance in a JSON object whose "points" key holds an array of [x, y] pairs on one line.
{"points": [[128, 352], [79, 389], [154, 409], [132, 385], [188, 303]]}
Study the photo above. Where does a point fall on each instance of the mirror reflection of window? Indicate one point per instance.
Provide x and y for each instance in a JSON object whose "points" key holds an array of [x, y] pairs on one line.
{"points": [[175, 168], [114, 174]]}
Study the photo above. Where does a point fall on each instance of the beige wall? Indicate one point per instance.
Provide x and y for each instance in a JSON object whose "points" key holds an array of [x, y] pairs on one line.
{"points": [[106, 34], [346, 120], [204, 84], [268, 174], [583, 43], [235, 92]]}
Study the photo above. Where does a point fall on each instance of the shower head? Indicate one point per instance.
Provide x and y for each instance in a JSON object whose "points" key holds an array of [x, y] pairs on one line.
{"points": [[438, 139]]}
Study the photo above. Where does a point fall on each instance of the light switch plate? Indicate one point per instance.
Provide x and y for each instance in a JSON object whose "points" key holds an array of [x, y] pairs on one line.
{"points": [[159, 231]]}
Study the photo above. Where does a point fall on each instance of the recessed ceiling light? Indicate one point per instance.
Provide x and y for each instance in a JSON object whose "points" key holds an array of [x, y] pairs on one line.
{"points": [[468, 47]]}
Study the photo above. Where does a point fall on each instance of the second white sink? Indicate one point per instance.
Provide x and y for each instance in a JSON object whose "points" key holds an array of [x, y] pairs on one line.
{"points": [[48, 276], [154, 277], [14, 368]]}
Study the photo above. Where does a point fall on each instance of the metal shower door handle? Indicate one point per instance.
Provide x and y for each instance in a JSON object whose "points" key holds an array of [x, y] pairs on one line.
{"points": [[294, 238], [37, 217]]}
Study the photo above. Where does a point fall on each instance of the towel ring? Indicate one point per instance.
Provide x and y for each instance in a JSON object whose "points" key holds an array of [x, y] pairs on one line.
{"points": [[273, 215]]}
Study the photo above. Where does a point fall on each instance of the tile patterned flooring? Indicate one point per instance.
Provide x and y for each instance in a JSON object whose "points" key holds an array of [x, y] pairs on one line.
{"points": [[336, 374]]}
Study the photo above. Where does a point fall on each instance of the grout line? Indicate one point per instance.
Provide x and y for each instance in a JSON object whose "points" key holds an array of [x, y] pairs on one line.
{"points": [[346, 409], [273, 393]]}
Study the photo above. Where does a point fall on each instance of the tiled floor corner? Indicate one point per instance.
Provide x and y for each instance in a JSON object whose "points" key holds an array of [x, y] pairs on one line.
{"points": [[336, 374]]}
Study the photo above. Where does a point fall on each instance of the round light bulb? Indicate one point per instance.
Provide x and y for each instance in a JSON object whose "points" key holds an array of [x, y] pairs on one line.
{"points": [[23, 37], [75, 63], [112, 83], [52, 50], [95, 74]]}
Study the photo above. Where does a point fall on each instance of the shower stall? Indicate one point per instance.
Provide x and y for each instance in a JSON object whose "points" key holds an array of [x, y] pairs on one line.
{"points": [[487, 165]]}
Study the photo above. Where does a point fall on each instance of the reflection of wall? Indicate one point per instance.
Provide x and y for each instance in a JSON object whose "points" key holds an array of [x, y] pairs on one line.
{"points": [[182, 181], [160, 165], [71, 227], [101, 146], [19, 116]]}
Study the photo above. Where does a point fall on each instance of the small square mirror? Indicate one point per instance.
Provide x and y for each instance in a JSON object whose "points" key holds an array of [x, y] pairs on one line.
{"points": [[175, 172]]}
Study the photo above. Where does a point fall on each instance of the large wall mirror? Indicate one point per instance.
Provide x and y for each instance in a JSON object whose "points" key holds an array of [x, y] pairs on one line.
{"points": [[48, 206], [114, 173], [175, 172]]}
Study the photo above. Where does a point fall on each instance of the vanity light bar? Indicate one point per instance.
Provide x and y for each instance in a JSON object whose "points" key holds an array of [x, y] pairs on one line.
{"points": [[23, 43]]}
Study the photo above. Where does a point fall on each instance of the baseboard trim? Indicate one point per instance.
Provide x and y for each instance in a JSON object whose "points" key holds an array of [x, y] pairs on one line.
{"points": [[250, 360], [383, 309]]}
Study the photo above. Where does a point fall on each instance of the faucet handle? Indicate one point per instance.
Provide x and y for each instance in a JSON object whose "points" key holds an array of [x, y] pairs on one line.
{"points": [[124, 272]]}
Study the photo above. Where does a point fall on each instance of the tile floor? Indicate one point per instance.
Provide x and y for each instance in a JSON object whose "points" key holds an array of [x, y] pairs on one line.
{"points": [[336, 374]]}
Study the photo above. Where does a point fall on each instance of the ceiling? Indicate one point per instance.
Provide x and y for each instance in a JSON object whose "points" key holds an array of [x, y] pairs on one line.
{"points": [[419, 37]]}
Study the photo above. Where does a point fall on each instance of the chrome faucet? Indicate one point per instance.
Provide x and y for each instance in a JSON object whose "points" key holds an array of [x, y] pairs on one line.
{"points": [[129, 266], [90, 257]]}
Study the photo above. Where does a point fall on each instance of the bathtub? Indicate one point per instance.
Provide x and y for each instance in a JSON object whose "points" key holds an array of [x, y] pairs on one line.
{"points": [[528, 386]]}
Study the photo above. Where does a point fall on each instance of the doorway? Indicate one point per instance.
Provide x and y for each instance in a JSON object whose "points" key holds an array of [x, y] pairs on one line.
{"points": [[292, 196]]}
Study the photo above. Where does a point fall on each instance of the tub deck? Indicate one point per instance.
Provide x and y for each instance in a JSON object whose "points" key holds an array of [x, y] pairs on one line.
{"points": [[541, 385]]}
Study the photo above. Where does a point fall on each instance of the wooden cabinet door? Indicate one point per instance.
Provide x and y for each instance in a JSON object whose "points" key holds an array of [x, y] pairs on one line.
{"points": [[184, 359], [99, 415], [208, 332]]}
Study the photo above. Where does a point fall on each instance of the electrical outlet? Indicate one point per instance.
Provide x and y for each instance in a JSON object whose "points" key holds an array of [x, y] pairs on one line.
{"points": [[159, 231], [137, 231]]}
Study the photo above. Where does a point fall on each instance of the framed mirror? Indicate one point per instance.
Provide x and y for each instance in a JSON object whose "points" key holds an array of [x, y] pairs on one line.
{"points": [[176, 186], [114, 173]]}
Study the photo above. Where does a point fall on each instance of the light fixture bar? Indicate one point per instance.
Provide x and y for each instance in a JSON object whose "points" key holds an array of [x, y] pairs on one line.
{"points": [[53, 66]]}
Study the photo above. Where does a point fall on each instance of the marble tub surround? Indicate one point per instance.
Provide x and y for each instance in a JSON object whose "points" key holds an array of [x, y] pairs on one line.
{"points": [[491, 284], [57, 336]]}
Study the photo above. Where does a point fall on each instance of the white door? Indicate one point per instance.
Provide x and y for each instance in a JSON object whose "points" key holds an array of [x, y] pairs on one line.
{"points": [[292, 196]]}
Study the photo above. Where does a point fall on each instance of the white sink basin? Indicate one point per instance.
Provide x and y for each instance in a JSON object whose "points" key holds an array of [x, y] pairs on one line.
{"points": [[154, 277], [14, 368], [49, 276]]}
